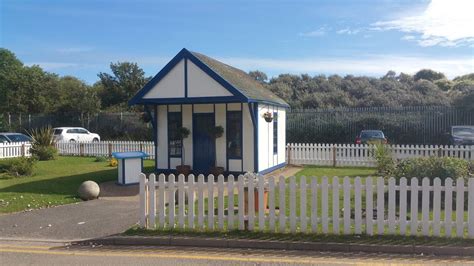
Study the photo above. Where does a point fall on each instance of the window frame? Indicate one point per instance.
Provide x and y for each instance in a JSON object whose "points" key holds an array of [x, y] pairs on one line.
{"points": [[180, 124], [275, 133], [238, 114]]}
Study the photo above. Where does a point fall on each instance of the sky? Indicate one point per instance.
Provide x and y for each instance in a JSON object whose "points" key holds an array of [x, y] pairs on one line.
{"points": [[82, 37]]}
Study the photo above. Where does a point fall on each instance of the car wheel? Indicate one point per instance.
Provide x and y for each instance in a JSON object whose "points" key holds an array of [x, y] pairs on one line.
{"points": [[95, 140], [72, 140]]}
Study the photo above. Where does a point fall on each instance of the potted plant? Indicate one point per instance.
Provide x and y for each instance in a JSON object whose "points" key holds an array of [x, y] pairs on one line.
{"points": [[268, 117], [216, 132], [184, 169], [255, 191]]}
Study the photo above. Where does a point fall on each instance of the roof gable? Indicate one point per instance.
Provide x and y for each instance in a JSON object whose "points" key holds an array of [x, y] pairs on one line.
{"points": [[222, 81]]}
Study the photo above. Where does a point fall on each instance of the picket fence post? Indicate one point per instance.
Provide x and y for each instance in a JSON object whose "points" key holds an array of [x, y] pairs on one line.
{"points": [[143, 198]]}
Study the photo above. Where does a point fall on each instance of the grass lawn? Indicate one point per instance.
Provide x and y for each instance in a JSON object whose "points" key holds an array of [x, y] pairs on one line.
{"points": [[53, 183]]}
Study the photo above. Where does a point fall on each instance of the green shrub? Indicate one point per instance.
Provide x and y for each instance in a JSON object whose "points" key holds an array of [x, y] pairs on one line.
{"points": [[21, 166], [99, 159], [385, 163], [44, 153], [42, 146], [432, 167]]}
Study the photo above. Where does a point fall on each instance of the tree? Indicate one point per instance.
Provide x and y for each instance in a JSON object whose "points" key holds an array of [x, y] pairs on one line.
{"points": [[77, 97], [390, 75], [10, 73], [259, 76], [428, 74], [126, 80]]}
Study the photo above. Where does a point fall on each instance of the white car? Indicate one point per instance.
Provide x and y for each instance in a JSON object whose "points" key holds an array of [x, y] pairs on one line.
{"points": [[72, 134]]}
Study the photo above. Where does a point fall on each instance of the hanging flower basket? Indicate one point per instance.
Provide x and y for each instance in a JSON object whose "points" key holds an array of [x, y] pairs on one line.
{"points": [[268, 117]]}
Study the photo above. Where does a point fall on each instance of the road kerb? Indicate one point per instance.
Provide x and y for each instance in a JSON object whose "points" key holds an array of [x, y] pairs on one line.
{"points": [[282, 245]]}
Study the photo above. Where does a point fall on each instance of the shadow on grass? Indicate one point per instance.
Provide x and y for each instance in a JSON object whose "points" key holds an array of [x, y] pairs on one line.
{"points": [[64, 185]]}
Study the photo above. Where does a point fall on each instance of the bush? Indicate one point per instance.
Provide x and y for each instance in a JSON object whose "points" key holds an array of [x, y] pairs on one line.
{"points": [[44, 153], [42, 146], [21, 166], [432, 167], [385, 163], [99, 159]]}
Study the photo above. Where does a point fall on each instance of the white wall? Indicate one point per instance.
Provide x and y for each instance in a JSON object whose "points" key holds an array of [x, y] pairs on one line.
{"points": [[235, 165], [248, 140], [171, 85], [201, 84], [221, 142], [266, 157], [162, 135], [188, 142]]}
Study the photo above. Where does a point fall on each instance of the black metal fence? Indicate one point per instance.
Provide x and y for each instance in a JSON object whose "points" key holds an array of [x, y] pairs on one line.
{"points": [[110, 126], [401, 125]]}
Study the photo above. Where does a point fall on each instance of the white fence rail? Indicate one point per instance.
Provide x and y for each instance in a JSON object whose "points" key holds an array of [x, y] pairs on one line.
{"points": [[18, 149], [104, 148], [360, 155], [317, 205]]}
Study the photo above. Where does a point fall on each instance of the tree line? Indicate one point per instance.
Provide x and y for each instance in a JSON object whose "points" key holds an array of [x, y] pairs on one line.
{"points": [[30, 89]]}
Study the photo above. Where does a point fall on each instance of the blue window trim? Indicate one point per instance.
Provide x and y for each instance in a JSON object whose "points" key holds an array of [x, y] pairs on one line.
{"points": [[181, 153], [228, 113], [275, 127]]}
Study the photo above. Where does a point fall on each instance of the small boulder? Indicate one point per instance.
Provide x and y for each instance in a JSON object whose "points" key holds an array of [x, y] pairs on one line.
{"points": [[88, 190]]}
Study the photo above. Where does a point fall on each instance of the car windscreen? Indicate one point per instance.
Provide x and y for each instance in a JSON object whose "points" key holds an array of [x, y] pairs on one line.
{"points": [[371, 134], [18, 138], [58, 131], [463, 131]]}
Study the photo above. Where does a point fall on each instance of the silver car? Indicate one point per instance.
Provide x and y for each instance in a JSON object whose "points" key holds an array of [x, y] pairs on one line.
{"points": [[462, 135]]}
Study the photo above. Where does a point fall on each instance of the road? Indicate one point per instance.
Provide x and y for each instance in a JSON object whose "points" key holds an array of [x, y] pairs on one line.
{"points": [[37, 253]]}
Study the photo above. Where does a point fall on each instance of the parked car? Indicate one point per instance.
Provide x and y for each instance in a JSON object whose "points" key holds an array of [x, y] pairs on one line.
{"points": [[371, 137], [9, 137], [72, 134], [462, 135]]}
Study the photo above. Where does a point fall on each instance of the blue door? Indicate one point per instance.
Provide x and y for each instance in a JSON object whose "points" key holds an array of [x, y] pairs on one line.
{"points": [[204, 146]]}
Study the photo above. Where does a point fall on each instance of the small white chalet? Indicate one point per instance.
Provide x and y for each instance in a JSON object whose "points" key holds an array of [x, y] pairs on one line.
{"points": [[203, 95]]}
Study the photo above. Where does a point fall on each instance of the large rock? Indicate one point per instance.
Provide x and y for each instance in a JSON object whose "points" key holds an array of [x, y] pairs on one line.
{"points": [[88, 190]]}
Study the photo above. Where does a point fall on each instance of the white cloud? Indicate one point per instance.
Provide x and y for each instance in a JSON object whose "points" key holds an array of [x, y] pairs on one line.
{"points": [[408, 37], [375, 65], [315, 33], [444, 23], [348, 31], [73, 50]]}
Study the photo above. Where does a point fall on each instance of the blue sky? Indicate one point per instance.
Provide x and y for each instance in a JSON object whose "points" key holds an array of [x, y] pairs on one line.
{"points": [[82, 37]]}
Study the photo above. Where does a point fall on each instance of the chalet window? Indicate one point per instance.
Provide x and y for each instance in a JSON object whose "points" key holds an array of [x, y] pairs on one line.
{"points": [[275, 133], [175, 143], [234, 134]]}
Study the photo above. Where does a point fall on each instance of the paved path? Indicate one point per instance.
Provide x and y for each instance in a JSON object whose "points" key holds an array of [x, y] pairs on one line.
{"points": [[84, 220], [115, 212], [18, 253]]}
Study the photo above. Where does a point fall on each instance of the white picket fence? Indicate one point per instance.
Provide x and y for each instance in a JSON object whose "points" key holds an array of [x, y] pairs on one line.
{"points": [[104, 148], [316, 205], [18, 149], [360, 155]]}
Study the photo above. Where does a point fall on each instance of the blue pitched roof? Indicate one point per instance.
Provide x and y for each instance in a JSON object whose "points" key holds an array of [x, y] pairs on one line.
{"points": [[243, 87]]}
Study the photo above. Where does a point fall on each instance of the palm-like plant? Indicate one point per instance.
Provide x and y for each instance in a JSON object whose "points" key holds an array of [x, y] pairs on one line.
{"points": [[42, 145]]}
